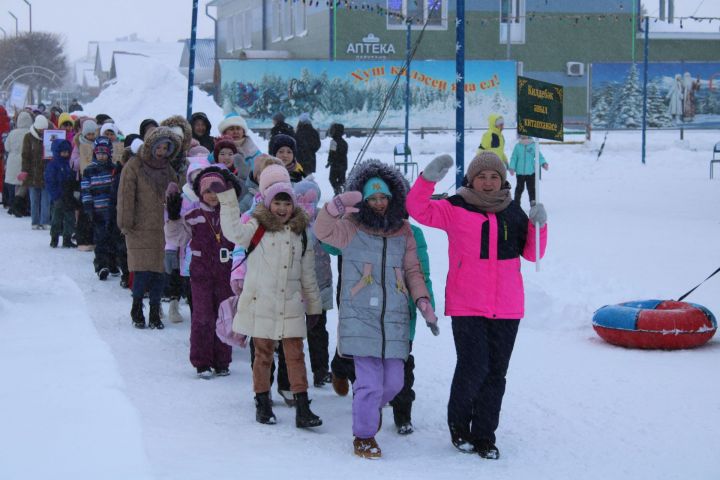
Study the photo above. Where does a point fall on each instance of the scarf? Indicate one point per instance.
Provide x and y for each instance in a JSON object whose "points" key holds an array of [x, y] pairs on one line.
{"points": [[82, 139], [491, 202], [157, 172]]}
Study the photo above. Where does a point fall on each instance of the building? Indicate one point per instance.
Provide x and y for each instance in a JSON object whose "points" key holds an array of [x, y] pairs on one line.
{"points": [[554, 41], [204, 60]]}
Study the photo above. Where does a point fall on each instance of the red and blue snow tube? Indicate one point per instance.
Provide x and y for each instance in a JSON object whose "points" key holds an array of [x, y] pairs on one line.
{"points": [[655, 324]]}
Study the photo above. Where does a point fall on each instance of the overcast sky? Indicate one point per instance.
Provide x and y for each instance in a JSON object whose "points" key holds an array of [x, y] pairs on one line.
{"points": [[81, 21]]}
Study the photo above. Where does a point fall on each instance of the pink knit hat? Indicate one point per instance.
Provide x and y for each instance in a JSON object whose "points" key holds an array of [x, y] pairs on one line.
{"points": [[275, 179]]}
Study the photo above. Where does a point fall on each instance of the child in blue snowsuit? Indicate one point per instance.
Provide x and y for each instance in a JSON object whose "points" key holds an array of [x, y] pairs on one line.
{"points": [[522, 162], [60, 184]]}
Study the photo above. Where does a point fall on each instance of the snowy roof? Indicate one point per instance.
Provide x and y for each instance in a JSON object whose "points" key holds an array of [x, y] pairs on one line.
{"points": [[90, 79], [167, 53], [80, 68], [204, 53]]}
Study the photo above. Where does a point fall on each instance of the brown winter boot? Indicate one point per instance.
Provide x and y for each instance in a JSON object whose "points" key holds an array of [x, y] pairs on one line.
{"points": [[367, 448], [340, 385]]}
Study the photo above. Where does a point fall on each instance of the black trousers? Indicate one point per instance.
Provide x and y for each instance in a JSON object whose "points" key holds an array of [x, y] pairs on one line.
{"points": [[483, 348], [522, 181], [337, 179], [317, 340], [104, 238]]}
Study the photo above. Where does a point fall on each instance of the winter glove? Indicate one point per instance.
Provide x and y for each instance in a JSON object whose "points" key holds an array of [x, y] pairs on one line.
{"points": [[174, 204], [538, 216], [312, 320], [236, 284], [344, 203], [172, 262], [22, 176], [438, 168], [428, 314], [545, 166]]}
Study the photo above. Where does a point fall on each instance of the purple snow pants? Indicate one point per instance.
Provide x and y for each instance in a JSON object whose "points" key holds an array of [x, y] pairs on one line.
{"points": [[377, 381], [206, 349]]}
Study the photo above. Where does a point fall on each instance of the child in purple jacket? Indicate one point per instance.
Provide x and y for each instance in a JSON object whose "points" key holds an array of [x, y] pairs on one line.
{"points": [[210, 265]]}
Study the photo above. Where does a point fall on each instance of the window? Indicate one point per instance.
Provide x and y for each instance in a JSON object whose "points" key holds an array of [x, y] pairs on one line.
{"points": [[247, 30], [300, 17], [225, 33], [434, 12], [512, 15], [276, 21]]}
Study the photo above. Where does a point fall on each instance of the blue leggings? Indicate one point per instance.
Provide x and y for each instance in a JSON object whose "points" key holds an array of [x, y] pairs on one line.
{"points": [[151, 282]]}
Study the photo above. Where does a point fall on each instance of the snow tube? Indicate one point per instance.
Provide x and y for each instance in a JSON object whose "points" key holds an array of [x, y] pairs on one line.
{"points": [[655, 324]]}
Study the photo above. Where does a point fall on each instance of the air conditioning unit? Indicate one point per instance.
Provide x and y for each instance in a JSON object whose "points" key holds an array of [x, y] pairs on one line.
{"points": [[575, 69]]}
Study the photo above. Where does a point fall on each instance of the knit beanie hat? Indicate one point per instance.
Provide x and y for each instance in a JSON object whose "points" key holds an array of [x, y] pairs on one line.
{"points": [[280, 140], [376, 185], [223, 142], [273, 180], [103, 145], [261, 163], [213, 182], [64, 118], [89, 126], [40, 123], [101, 118], [233, 120], [106, 127], [486, 161]]}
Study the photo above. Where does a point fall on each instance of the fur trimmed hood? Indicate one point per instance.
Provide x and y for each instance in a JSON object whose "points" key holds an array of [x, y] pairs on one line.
{"points": [[395, 216], [298, 222], [145, 152], [179, 121]]}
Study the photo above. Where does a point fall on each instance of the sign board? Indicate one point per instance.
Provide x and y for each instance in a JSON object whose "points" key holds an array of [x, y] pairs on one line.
{"points": [[18, 96], [539, 109], [50, 136]]}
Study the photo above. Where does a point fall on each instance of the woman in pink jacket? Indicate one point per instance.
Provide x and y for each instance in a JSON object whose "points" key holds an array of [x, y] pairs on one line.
{"points": [[487, 233]]}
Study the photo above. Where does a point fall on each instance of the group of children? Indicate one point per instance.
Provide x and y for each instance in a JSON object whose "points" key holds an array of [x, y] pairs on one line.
{"points": [[212, 223]]}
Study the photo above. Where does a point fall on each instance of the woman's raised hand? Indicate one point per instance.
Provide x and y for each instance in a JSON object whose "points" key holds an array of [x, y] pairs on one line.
{"points": [[438, 168]]}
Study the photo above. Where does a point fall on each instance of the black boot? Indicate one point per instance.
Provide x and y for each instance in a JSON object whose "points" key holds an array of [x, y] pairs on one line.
{"points": [[263, 409], [125, 280], [154, 320], [462, 439], [401, 415], [304, 417], [136, 313], [53, 242], [486, 449], [68, 243]]}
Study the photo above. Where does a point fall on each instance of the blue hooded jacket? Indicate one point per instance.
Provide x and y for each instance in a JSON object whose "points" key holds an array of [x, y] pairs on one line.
{"points": [[58, 171]]}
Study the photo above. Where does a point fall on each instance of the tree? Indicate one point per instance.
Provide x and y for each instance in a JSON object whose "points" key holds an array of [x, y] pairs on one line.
{"points": [[629, 113], [33, 49]]}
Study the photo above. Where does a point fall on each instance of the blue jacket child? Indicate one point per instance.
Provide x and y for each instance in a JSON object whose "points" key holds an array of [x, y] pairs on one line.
{"points": [[97, 191], [522, 162], [60, 184]]}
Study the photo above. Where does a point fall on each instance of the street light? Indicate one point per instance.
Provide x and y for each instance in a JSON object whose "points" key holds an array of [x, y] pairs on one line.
{"points": [[16, 22], [29, 8], [4, 33]]}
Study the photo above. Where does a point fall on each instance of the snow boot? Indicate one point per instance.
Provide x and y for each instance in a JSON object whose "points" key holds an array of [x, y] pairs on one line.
{"points": [[340, 385], [461, 439], [321, 378], [263, 409], [367, 448], [486, 449], [103, 273], [174, 312], [304, 417], [125, 280], [68, 243], [136, 313], [401, 415], [204, 372], [222, 371], [53, 242], [154, 321]]}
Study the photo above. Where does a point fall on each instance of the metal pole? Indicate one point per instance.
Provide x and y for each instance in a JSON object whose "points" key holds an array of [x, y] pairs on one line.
{"points": [[407, 95], [30, 8], [645, 82], [632, 31], [460, 93], [508, 20], [4, 33], [16, 22], [191, 65]]}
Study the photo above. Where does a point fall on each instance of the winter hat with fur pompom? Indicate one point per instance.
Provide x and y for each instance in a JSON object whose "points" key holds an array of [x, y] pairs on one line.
{"points": [[233, 120]]}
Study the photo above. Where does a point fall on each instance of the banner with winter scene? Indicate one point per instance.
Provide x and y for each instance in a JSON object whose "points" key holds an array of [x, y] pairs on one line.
{"points": [[353, 92], [679, 94]]}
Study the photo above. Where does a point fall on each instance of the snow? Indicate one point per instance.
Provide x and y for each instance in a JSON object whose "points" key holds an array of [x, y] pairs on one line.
{"points": [[137, 73], [86, 395]]}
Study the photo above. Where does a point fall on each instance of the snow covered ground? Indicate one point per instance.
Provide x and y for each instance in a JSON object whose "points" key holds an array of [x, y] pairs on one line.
{"points": [[87, 396]]}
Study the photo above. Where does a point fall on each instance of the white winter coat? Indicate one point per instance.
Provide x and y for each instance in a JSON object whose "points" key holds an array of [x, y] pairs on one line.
{"points": [[14, 145], [280, 285]]}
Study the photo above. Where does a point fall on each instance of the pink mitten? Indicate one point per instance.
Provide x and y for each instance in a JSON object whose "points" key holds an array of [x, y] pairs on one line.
{"points": [[344, 203]]}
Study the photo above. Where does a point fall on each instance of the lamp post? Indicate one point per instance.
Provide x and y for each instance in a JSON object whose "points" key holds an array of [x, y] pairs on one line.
{"points": [[4, 33], [16, 22], [29, 8]]}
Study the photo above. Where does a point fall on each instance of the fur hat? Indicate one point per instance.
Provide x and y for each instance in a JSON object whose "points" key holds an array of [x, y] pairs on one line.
{"points": [[486, 160], [395, 215], [233, 120], [103, 145], [280, 140], [181, 128], [89, 126], [157, 136], [223, 142]]}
